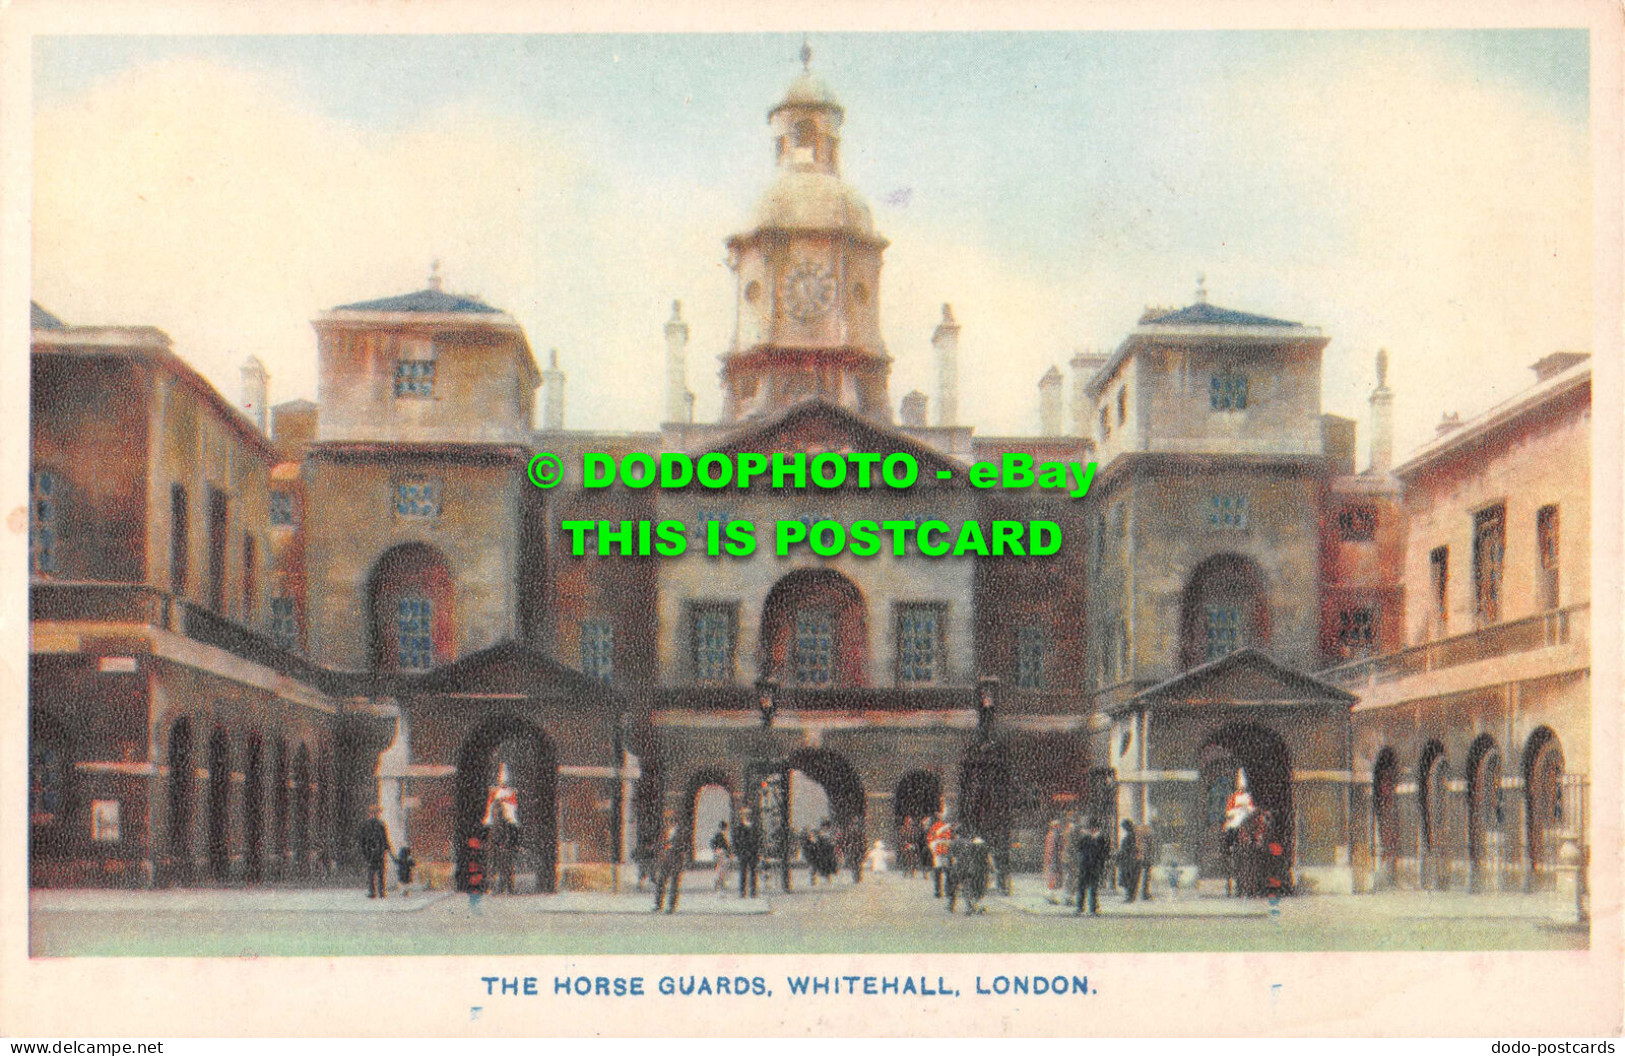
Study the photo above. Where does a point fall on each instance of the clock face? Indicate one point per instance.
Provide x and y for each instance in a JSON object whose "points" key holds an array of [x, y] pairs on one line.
{"points": [[809, 291]]}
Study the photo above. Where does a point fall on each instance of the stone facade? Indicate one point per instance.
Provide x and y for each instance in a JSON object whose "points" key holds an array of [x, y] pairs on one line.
{"points": [[247, 641]]}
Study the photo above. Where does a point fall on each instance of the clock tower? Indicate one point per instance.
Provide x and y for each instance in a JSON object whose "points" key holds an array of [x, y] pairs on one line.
{"points": [[807, 275]]}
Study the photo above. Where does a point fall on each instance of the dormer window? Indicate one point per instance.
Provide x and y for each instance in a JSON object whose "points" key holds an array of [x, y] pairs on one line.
{"points": [[1228, 391], [414, 371]]}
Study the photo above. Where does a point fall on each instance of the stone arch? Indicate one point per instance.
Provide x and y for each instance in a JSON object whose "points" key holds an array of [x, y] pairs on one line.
{"points": [[410, 583], [181, 789], [280, 779], [1225, 606], [219, 804], [52, 792], [1262, 753], [1543, 767], [254, 808], [1486, 813], [807, 611], [843, 788], [698, 782], [533, 771], [918, 795], [301, 810], [1433, 804], [1385, 813]]}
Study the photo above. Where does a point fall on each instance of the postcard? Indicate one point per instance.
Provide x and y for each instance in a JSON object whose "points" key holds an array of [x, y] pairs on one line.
{"points": [[897, 521]]}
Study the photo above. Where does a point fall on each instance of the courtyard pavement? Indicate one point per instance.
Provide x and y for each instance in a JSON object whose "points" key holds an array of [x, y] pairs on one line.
{"points": [[886, 913]]}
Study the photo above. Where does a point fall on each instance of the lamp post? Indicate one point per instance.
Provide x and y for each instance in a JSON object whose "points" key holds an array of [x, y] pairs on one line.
{"points": [[767, 691], [987, 702]]}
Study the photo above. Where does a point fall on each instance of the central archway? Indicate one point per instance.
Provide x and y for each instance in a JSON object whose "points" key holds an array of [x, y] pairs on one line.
{"points": [[532, 766]]}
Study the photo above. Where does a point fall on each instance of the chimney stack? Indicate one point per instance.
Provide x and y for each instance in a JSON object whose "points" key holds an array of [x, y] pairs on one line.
{"points": [[1085, 362], [1049, 402], [553, 393], [1382, 419], [256, 391], [679, 401], [946, 343], [914, 410]]}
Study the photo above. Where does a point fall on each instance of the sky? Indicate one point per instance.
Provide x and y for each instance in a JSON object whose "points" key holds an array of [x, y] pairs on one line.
{"points": [[1428, 192]]}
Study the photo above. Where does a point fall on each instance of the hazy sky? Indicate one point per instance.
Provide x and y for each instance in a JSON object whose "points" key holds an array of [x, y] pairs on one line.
{"points": [[1428, 192]]}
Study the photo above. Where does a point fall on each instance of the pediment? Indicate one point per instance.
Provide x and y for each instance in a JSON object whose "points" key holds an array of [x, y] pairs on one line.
{"points": [[815, 427], [1245, 676]]}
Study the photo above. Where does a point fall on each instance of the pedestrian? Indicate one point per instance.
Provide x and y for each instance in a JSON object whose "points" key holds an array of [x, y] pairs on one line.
{"points": [[723, 855], [1053, 852], [1067, 850], [853, 847], [1128, 863], [374, 841], [922, 843], [975, 871], [673, 852], [941, 833], [908, 849], [1092, 854], [404, 864], [1146, 843], [472, 878], [748, 845]]}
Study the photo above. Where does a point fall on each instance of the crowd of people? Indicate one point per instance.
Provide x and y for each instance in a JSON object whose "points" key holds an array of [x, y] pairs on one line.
{"points": [[1079, 856]]}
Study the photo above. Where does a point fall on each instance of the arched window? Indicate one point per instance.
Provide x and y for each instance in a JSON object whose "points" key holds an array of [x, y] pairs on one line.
{"points": [[411, 600], [1225, 608], [814, 631]]}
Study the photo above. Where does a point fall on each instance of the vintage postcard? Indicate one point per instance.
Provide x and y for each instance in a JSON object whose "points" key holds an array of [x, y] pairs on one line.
{"points": [[1052, 520]]}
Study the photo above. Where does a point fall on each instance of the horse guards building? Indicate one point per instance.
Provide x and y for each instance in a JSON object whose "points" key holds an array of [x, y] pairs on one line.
{"points": [[252, 623]]}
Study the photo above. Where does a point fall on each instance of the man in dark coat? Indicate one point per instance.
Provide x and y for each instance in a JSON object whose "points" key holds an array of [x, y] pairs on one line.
{"points": [[1128, 862], [969, 861], [1092, 854], [748, 846], [673, 855], [374, 841]]}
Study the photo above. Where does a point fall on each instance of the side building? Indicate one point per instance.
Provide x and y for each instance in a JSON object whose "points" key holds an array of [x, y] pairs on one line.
{"points": [[171, 738], [1472, 739]]}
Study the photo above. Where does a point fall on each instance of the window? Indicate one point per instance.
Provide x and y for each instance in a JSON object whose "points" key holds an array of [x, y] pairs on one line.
{"points": [[219, 520], [1228, 391], [1122, 405], [284, 623], [179, 538], [1356, 632], [1227, 512], [1105, 424], [414, 622], [282, 508], [713, 635], [1357, 524], [598, 649], [815, 647], [919, 643], [1439, 579], [1489, 550], [1223, 626], [42, 521], [1546, 544], [1032, 641], [1108, 653], [417, 498], [250, 578], [1124, 645], [414, 371], [47, 776]]}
